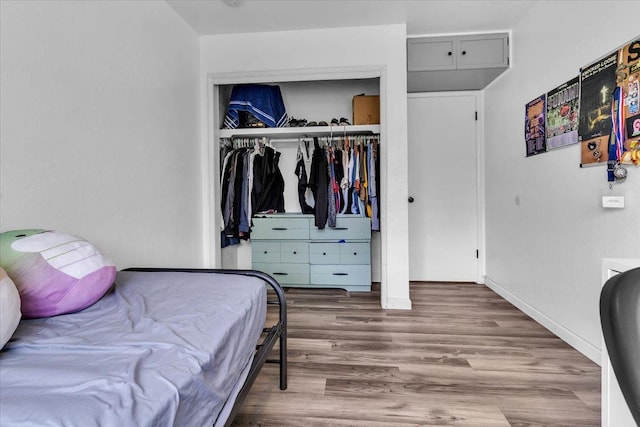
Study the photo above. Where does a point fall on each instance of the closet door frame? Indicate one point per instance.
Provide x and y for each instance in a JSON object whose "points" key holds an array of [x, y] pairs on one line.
{"points": [[211, 155]]}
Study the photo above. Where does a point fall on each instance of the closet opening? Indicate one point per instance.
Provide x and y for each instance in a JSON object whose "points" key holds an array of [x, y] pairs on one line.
{"points": [[312, 100]]}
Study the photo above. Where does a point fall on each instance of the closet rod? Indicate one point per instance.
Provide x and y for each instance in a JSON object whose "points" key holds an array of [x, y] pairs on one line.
{"points": [[320, 138]]}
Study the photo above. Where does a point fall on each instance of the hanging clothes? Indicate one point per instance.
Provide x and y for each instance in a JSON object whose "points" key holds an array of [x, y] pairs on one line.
{"points": [[318, 182], [337, 176], [331, 201], [268, 183], [373, 173], [305, 196], [352, 169], [251, 182]]}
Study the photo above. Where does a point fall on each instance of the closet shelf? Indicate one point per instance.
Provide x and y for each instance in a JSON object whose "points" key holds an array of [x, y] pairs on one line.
{"points": [[299, 132]]}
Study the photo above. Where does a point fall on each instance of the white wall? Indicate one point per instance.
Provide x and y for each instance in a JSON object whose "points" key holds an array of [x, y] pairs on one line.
{"points": [[545, 252], [100, 120], [318, 50]]}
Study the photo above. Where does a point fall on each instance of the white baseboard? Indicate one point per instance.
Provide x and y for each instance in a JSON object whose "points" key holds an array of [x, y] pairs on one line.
{"points": [[397, 304], [566, 335]]}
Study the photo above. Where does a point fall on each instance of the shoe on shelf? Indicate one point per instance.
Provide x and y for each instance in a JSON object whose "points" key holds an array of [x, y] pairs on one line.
{"points": [[322, 123], [344, 122], [335, 122], [311, 123], [296, 123]]}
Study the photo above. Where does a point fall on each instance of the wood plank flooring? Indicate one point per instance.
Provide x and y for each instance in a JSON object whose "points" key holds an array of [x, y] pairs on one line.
{"points": [[462, 357]]}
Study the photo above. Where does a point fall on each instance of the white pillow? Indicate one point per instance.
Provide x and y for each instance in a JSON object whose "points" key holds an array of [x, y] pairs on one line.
{"points": [[9, 308]]}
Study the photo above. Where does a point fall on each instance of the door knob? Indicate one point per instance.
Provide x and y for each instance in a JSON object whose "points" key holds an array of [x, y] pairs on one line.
{"points": [[411, 199]]}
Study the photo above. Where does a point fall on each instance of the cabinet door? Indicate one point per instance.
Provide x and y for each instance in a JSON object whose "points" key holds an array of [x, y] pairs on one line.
{"points": [[425, 54], [294, 252], [325, 253], [355, 253], [280, 228], [483, 51], [265, 252], [347, 228], [285, 274], [349, 277]]}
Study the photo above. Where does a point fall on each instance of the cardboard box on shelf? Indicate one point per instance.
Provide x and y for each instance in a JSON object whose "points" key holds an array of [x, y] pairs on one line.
{"points": [[366, 110]]}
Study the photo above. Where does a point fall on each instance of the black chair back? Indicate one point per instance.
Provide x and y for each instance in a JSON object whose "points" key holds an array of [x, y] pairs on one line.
{"points": [[620, 319]]}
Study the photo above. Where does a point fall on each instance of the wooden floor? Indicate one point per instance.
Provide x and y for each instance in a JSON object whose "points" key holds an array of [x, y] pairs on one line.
{"points": [[462, 357]]}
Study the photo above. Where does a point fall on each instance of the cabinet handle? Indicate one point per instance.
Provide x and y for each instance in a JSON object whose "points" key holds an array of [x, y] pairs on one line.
{"points": [[294, 252], [324, 253], [464, 52], [355, 253], [265, 252], [341, 228], [340, 274], [449, 53], [280, 274], [279, 228]]}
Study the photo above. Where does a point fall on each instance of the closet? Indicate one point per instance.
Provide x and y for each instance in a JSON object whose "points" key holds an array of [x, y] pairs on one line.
{"points": [[315, 100]]}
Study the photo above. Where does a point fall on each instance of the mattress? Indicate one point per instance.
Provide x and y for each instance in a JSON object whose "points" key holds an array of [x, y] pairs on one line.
{"points": [[160, 349]]}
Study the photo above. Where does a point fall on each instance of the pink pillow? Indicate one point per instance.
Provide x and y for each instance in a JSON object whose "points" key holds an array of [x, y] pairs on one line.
{"points": [[9, 308], [55, 273]]}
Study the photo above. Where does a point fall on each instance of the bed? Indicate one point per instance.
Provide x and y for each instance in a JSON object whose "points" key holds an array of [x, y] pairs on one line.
{"points": [[164, 347]]}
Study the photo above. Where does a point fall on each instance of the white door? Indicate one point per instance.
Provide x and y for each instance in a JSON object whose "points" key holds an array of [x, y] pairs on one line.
{"points": [[443, 202]]}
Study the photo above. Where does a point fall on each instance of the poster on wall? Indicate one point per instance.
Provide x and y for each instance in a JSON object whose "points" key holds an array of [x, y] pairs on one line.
{"points": [[628, 80], [597, 82], [534, 126], [563, 105]]}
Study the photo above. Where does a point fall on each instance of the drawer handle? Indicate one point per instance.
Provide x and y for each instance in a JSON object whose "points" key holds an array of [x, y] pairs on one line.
{"points": [[324, 253], [279, 228], [449, 53], [265, 252], [294, 252], [280, 274], [340, 274], [355, 253], [339, 228]]}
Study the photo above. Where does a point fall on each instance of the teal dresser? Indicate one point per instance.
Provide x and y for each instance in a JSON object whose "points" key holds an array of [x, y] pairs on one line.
{"points": [[290, 248]]}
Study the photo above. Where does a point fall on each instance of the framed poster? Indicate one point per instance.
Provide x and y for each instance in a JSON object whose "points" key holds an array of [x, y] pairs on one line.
{"points": [[534, 126], [628, 80], [597, 82], [563, 104]]}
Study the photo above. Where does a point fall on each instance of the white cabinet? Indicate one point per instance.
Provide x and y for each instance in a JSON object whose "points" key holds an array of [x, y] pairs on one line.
{"points": [[428, 54], [615, 412], [466, 62], [459, 52], [485, 51]]}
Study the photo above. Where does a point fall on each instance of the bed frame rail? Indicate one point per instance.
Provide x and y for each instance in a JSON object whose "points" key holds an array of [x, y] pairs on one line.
{"points": [[274, 333]]}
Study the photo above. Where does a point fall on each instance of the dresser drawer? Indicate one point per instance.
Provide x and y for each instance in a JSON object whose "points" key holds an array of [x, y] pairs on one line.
{"points": [[347, 228], [285, 274], [280, 228], [294, 252], [265, 252], [355, 253], [324, 253], [344, 275]]}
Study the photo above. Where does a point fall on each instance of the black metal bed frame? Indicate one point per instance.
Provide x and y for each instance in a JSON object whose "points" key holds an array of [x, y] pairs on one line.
{"points": [[274, 333]]}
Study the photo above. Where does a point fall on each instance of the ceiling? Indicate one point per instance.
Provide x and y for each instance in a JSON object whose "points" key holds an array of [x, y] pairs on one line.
{"points": [[421, 16]]}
